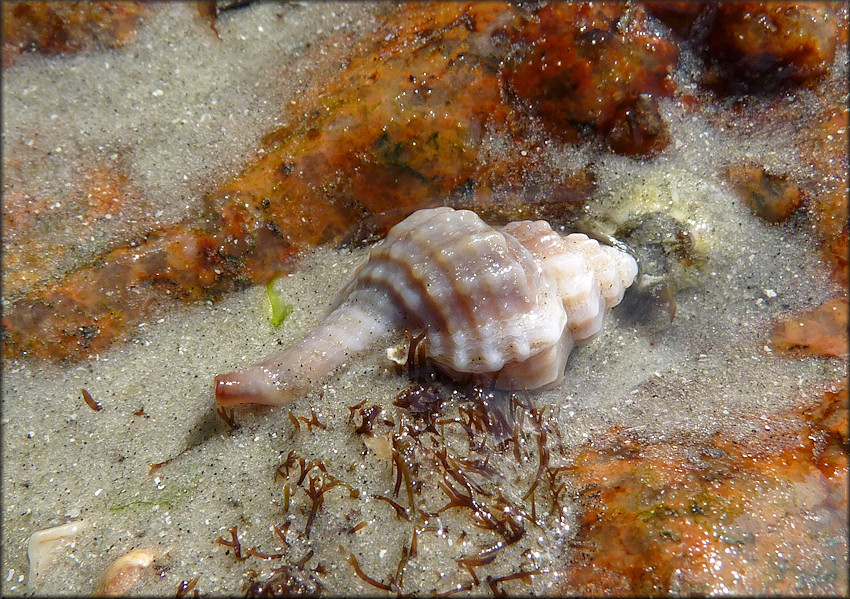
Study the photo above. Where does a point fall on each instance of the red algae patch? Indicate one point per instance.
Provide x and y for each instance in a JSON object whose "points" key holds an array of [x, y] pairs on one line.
{"points": [[761, 514]]}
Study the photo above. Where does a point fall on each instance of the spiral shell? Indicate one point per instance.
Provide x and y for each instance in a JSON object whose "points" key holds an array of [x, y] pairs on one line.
{"points": [[506, 305]]}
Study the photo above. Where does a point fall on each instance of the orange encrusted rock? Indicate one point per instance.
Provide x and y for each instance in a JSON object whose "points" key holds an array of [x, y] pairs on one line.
{"points": [[772, 197], [773, 41], [67, 27], [99, 193], [594, 67], [363, 149], [826, 152], [821, 331], [679, 16], [444, 103], [760, 514]]}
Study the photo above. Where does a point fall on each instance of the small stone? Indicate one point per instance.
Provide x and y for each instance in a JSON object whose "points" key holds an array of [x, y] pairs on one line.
{"points": [[771, 197]]}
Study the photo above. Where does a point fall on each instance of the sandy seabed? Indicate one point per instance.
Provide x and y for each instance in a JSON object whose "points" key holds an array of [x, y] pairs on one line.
{"points": [[184, 110]]}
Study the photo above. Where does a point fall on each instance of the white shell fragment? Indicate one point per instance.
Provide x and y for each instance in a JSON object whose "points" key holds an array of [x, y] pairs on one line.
{"points": [[43, 543], [506, 305], [122, 574]]}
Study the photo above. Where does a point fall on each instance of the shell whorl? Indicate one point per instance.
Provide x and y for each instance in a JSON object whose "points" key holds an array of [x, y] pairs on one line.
{"points": [[591, 278], [481, 295], [505, 304]]}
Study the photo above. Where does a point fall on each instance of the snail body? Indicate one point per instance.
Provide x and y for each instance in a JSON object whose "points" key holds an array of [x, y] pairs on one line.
{"points": [[503, 305]]}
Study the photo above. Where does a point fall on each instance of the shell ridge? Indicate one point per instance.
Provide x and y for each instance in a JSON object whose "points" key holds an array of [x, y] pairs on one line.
{"points": [[406, 291]]}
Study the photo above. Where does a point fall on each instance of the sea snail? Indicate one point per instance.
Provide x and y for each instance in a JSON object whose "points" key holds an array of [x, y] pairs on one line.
{"points": [[505, 305]]}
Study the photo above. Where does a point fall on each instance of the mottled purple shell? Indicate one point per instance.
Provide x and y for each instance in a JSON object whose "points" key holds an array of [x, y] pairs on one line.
{"points": [[480, 294], [506, 305]]}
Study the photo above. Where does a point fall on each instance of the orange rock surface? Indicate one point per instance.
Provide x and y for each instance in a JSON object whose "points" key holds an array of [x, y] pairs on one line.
{"points": [[752, 513], [408, 123], [772, 197], [594, 73], [99, 194], [821, 331], [388, 135], [826, 152], [679, 16], [67, 27], [782, 40]]}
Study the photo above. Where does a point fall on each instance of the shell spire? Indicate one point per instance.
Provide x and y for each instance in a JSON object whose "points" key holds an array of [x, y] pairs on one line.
{"points": [[506, 305]]}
